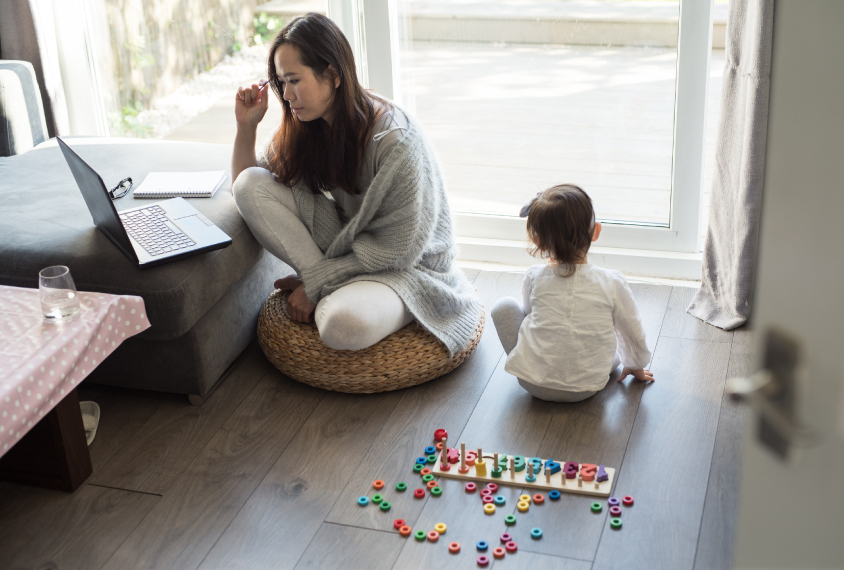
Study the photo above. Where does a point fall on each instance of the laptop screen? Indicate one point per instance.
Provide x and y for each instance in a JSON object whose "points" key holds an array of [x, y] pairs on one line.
{"points": [[99, 203]]}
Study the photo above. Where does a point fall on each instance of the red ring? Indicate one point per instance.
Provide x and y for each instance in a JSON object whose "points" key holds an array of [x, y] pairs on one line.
{"points": [[419, 493], [398, 523], [627, 501], [433, 536], [470, 487], [511, 547], [615, 511], [432, 484], [454, 547], [492, 487], [486, 492], [405, 530], [483, 560], [498, 552], [378, 484], [487, 499], [538, 498], [506, 537]]}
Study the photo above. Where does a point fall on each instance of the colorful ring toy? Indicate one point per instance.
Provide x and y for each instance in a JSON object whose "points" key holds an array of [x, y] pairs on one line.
{"points": [[401, 486], [539, 498], [498, 552], [363, 501], [597, 507], [428, 477], [433, 536], [431, 484], [398, 523], [385, 506], [405, 530], [425, 471], [376, 499], [378, 484], [489, 509], [437, 491], [615, 523], [524, 498], [440, 528], [523, 507], [615, 512], [454, 547], [506, 537], [419, 493], [536, 533], [430, 450], [483, 561], [627, 501], [510, 520], [500, 500], [470, 487], [482, 545], [492, 487], [554, 495], [511, 547], [613, 501]]}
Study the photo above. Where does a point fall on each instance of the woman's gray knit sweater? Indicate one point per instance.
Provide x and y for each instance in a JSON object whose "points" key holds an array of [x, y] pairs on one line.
{"points": [[401, 237]]}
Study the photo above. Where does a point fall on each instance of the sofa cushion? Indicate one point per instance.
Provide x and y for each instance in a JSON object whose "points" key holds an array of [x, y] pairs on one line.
{"points": [[45, 222]]}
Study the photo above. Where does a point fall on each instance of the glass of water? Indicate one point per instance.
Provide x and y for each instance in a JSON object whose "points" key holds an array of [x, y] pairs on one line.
{"points": [[59, 302]]}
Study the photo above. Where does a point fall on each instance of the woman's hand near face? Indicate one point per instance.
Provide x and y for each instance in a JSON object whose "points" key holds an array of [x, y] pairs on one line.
{"points": [[251, 105]]}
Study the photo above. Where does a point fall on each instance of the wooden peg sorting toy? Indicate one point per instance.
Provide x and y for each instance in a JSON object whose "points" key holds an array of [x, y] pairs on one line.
{"points": [[463, 468], [548, 476], [445, 454], [512, 468], [579, 481], [597, 485], [495, 462], [530, 470]]}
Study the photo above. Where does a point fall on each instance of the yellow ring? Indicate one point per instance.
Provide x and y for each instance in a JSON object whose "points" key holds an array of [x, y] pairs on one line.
{"points": [[489, 508], [523, 507], [440, 528], [524, 498]]}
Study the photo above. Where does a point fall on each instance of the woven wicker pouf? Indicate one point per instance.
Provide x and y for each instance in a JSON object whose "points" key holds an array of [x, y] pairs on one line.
{"points": [[407, 357]]}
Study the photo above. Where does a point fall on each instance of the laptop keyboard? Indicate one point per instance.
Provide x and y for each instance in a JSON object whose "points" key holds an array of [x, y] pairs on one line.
{"points": [[151, 228]]}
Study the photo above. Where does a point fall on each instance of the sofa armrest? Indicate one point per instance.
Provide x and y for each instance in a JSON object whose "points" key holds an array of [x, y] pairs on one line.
{"points": [[22, 121]]}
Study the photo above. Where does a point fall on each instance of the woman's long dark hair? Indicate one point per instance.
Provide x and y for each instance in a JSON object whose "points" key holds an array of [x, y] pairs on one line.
{"points": [[322, 156]]}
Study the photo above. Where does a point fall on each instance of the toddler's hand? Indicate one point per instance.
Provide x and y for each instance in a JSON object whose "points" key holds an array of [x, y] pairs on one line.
{"points": [[643, 375]]}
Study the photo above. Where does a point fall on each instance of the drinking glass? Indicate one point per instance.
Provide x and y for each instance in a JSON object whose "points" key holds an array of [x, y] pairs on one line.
{"points": [[57, 290]]}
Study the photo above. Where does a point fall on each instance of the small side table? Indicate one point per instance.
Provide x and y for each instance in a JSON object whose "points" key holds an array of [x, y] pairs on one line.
{"points": [[42, 440]]}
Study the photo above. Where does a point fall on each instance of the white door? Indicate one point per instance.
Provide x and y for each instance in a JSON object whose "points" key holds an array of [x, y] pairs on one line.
{"points": [[791, 512]]}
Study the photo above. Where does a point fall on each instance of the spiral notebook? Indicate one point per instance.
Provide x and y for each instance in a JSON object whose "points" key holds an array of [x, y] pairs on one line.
{"points": [[180, 184]]}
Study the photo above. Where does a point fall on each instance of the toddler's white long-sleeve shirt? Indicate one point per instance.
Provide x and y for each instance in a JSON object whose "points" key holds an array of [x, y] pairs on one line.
{"points": [[574, 326]]}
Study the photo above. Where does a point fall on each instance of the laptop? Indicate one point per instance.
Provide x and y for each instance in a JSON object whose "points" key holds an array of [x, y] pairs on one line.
{"points": [[148, 235]]}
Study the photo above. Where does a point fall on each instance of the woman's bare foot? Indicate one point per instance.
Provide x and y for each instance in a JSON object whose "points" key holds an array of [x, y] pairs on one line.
{"points": [[288, 283]]}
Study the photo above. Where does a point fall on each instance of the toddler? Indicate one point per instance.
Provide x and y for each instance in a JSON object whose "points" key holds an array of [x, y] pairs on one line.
{"points": [[578, 322]]}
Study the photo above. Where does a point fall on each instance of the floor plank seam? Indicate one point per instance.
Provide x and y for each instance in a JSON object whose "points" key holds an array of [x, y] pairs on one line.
{"points": [[269, 470], [523, 549], [127, 490], [125, 538], [712, 455], [385, 531]]}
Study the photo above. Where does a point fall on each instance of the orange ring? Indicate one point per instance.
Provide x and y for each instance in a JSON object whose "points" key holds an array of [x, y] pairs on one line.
{"points": [[426, 471], [405, 530], [538, 499], [433, 536], [432, 484], [454, 547], [439, 446], [378, 484], [498, 552]]}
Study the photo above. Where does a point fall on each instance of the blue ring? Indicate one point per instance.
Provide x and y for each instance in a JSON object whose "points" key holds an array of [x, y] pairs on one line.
{"points": [[554, 495], [530, 479], [536, 533], [482, 545], [500, 500], [363, 501], [430, 449], [421, 460]]}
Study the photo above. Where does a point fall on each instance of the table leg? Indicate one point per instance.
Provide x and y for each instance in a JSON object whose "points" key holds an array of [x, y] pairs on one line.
{"points": [[54, 453]]}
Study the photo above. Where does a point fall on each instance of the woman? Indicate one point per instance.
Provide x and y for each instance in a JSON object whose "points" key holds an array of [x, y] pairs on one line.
{"points": [[350, 195]]}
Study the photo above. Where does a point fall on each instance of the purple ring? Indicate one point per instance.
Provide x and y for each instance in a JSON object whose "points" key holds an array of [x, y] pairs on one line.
{"points": [[613, 501], [506, 537]]}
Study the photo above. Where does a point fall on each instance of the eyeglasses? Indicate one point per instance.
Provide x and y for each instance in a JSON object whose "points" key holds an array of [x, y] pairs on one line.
{"points": [[121, 189]]}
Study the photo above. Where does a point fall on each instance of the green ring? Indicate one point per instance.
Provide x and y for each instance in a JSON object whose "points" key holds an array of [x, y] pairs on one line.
{"points": [[401, 486], [496, 473], [418, 467], [432, 459], [377, 499], [428, 477], [385, 505], [615, 523], [597, 507], [437, 491], [420, 535], [510, 520]]}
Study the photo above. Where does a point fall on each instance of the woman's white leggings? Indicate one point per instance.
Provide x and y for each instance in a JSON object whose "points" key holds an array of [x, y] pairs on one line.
{"points": [[353, 317]]}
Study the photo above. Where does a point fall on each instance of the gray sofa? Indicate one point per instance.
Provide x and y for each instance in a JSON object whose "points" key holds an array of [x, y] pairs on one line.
{"points": [[203, 309]]}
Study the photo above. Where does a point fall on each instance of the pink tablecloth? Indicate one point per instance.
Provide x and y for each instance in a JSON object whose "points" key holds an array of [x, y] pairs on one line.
{"points": [[40, 362]]}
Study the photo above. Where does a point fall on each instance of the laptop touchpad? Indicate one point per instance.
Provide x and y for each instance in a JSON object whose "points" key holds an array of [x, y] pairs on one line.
{"points": [[190, 224]]}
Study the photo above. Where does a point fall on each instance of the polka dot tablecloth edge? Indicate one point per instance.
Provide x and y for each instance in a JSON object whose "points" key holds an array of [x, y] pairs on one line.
{"points": [[41, 362]]}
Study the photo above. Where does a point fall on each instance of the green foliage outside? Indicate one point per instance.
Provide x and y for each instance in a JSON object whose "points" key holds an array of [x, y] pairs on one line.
{"points": [[266, 27]]}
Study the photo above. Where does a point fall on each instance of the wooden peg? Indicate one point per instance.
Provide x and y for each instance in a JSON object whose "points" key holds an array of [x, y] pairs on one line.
{"points": [[480, 454], [512, 468], [445, 452], [579, 481], [462, 456], [547, 476], [597, 485], [495, 465], [530, 470]]}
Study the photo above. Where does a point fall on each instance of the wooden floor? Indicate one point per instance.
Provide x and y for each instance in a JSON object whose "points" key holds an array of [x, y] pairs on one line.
{"points": [[267, 472]]}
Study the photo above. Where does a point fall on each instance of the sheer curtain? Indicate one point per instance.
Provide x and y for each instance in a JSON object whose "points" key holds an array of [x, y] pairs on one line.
{"points": [[27, 33], [732, 238]]}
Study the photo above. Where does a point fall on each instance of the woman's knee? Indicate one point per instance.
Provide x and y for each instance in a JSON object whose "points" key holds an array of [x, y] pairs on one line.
{"points": [[246, 185], [344, 328]]}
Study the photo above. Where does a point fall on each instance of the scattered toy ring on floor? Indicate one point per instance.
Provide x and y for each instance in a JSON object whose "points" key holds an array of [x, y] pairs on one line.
{"points": [[419, 493], [385, 505], [433, 536], [398, 523], [539, 498], [510, 520], [454, 547], [524, 498], [613, 501], [439, 446], [487, 499], [431, 459], [418, 468], [483, 561], [482, 545], [554, 495], [428, 477], [498, 552], [627, 501], [436, 491], [405, 530], [506, 537], [523, 507], [615, 512], [489, 508], [597, 507], [425, 471], [430, 450], [401, 486], [440, 434], [486, 493], [500, 500], [615, 523], [431, 484], [421, 460], [376, 499], [470, 487], [378, 484], [363, 501], [440, 528], [536, 533], [420, 535], [492, 487], [511, 547]]}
